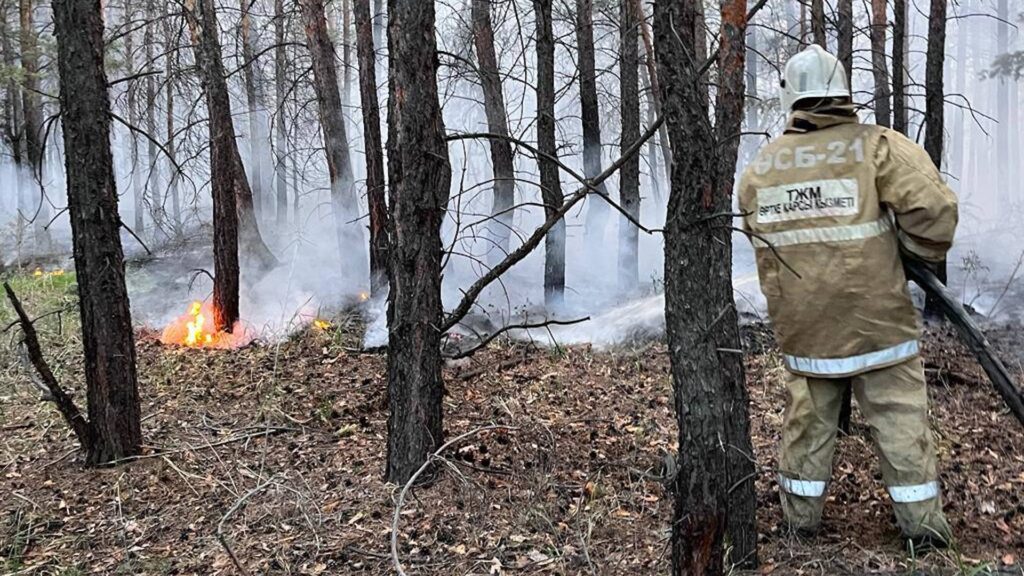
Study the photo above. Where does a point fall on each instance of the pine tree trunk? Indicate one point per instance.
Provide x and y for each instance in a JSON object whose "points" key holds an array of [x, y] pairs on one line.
{"points": [[281, 131], [934, 102], [171, 61], [346, 50], [375, 185], [1003, 84], [500, 227], [253, 98], [153, 179], [16, 138], [419, 180], [701, 318], [107, 337], [818, 23], [344, 199], [550, 180], [138, 189], [629, 174], [235, 224], [32, 110], [590, 113], [652, 78], [879, 23], [845, 37], [957, 163], [899, 68]]}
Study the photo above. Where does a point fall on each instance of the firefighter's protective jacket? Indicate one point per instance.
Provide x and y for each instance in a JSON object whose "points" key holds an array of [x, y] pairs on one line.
{"points": [[828, 205]]}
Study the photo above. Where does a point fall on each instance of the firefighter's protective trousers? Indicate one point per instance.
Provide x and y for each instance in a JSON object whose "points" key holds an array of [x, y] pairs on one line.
{"points": [[894, 401]]}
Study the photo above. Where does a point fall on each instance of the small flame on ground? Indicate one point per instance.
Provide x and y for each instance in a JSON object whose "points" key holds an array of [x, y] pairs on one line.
{"points": [[364, 296], [39, 272], [195, 330], [321, 324]]}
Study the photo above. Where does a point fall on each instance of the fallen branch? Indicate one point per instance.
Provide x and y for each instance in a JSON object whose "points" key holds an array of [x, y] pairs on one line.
{"points": [[234, 508], [79, 425], [412, 480], [526, 326]]}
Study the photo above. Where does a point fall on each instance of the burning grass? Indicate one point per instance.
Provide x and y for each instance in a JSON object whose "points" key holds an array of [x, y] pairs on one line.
{"points": [[299, 428], [195, 329]]}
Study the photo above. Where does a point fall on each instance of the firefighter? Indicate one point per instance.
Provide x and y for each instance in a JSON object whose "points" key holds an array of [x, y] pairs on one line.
{"points": [[832, 206]]}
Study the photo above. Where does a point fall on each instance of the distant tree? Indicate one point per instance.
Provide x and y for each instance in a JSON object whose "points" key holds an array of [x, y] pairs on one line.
{"points": [[818, 23], [375, 185], [899, 67], [344, 201], [280, 128], [135, 180], [879, 66], [171, 41], [419, 178], [107, 337], [500, 226], [32, 116], [153, 181], [844, 19], [550, 180], [590, 114], [629, 174], [254, 99], [934, 102]]}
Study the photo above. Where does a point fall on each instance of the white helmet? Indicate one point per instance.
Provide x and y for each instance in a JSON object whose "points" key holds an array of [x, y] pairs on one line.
{"points": [[813, 73]]}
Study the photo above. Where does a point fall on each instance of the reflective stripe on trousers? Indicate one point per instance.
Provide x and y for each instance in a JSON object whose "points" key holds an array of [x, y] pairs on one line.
{"points": [[806, 488], [853, 364], [914, 493]]}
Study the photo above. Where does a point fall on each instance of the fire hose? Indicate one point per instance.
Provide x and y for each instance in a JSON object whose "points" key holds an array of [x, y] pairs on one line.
{"points": [[969, 332]]}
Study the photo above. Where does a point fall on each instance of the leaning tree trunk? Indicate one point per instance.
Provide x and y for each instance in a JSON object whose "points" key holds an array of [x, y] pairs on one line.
{"points": [[374, 152], [111, 380], [899, 67], [879, 66], [844, 15], [742, 498], [818, 23], [550, 180], [419, 180], [32, 109], [280, 128], [934, 103], [344, 201], [701, 318], [629, 174], [500, 227], [590, 113]]}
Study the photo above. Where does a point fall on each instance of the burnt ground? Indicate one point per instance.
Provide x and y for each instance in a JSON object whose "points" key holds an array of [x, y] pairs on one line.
{"points": [[277, 450]]}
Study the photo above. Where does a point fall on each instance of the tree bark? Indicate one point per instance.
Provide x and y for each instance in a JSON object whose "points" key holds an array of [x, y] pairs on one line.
{"points": [[500, 226], [16, 137], [550, 179], [899, 68], [629, 174], [281, 129], [110, 375], [233, 214], [701, 318], [138, 188], [652, 78], [419, 181], [375, 186], [741, 496], [32, 115], [590, 113], [346, 50], [879, 23], [344, 201], [153, 177], [845, 37], [934, 103], [171, 61], [818, 23]]}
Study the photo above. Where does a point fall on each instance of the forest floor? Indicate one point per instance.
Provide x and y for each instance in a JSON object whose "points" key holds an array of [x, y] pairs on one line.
{"points": [[275, 452]]}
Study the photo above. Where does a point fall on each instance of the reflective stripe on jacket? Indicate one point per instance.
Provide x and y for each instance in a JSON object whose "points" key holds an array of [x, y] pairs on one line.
{"points": [[828, 205]]}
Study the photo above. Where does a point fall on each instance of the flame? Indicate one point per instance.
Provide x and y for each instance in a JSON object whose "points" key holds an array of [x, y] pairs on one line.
{"points": [[38, 272], [364, 296], [321, 324], [194, 329]]}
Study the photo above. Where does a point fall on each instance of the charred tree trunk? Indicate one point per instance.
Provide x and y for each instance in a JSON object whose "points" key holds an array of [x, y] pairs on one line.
{"points": [[171, 60], [741, 496], [32, 110], [700, 313], [550, 180], [375, 190], [254, 101], [597, 208], [153, 177], [899, 67], [934, 102], [500, 227], [419, 181], [818, 23], [280, 129], [233, 214], [879, 23], [107, 337], [845, 37], [344, 201], [629, 174]]}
